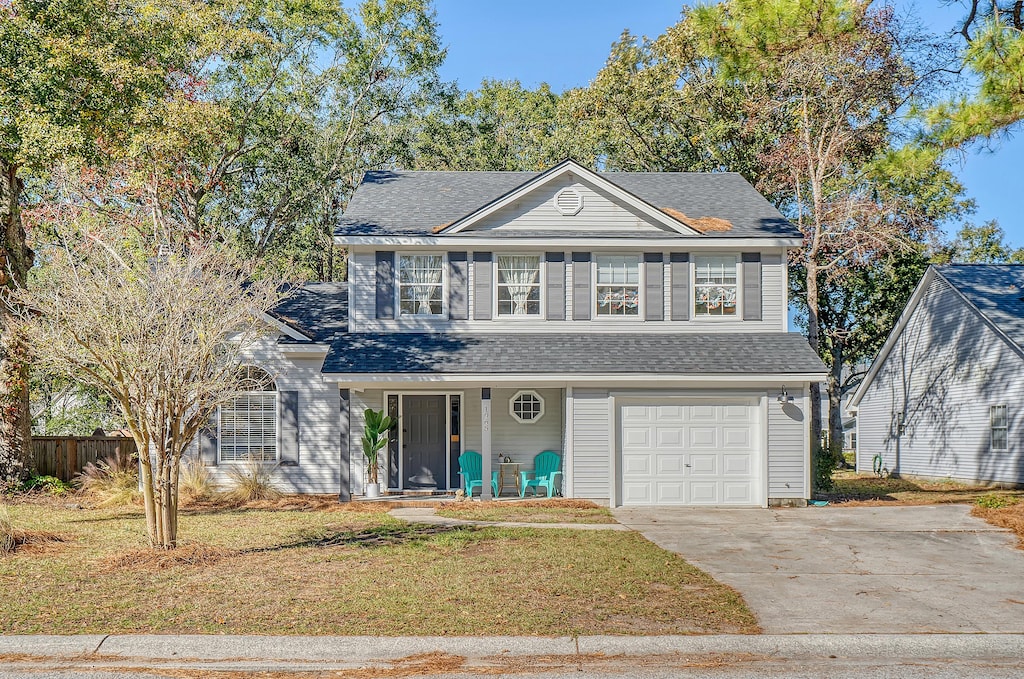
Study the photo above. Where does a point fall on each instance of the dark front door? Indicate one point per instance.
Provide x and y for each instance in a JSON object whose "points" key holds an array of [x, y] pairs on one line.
{"points": [[424, 443]]}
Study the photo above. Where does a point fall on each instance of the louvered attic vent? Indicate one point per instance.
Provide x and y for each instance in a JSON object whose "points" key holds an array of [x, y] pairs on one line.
{"points": [[568, 202]]}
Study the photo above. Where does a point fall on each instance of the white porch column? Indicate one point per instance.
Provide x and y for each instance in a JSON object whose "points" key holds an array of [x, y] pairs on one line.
{"points": [[485, 443]]}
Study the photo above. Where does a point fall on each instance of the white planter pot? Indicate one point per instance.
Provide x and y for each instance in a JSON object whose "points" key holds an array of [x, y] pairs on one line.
{"points": [[372, 490]]}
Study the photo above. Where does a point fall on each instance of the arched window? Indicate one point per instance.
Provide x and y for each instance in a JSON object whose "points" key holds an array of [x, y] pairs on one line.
{"points": [[248, 422]]}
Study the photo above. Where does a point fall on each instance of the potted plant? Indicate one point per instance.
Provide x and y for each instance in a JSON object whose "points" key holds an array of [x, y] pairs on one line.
{"points": [[375, 438]]}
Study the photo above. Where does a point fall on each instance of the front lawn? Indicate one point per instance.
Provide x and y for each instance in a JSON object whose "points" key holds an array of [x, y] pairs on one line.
{"points": [[349, 570], [528, 511], [852, 489]]}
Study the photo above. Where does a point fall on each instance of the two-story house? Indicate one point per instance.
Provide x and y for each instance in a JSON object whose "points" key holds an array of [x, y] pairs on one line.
{"points": [[636, 323]]}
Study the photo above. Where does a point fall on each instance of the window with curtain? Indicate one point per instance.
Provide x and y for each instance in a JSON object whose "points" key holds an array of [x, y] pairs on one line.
{"points": [[618, 285], [421, 285], [248, 422], [714, 285], [518, 285]]}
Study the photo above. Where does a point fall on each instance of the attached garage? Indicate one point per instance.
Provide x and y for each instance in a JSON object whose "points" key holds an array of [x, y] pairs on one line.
{"points": [[691, 452]]}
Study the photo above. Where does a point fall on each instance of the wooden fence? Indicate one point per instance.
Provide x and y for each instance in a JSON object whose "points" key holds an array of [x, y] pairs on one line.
{"points": [[66, 456]]}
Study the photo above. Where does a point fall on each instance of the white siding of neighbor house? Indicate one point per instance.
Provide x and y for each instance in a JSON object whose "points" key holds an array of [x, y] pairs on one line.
{"points": [[362, 299], [787, 446], [944, 371], [318, 418]]}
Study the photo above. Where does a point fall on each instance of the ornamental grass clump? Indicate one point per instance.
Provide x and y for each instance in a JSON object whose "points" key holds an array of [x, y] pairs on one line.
{"points": [[109, 483], [252, 481], [195, 483]]}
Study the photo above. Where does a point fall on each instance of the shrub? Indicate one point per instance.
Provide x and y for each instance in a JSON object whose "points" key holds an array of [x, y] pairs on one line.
{"points": [[195, 482], [47, 484], [110, 483], [252, 481], [995, 501], [824, 463]]}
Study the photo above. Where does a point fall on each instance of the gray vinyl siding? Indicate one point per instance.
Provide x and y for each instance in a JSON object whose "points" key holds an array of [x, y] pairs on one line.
{"points": [[601, 211], [788, 453], [944, 371], [591, 438], [319, 424], [362, 300]]}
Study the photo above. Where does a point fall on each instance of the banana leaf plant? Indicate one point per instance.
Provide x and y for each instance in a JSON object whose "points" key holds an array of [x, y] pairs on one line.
{"points": [[375, 438]]}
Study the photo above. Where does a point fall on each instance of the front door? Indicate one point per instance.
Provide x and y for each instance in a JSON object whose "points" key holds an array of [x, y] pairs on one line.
{"points": [[424, 441]]}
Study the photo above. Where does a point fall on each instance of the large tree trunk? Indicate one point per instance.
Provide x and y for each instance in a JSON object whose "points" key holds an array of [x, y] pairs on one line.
{"points": [[813, 335], [835, 403], [15, 261]]}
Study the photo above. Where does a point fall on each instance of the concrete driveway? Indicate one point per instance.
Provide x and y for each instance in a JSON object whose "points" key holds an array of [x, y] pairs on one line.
{"points": [[852, 570]]}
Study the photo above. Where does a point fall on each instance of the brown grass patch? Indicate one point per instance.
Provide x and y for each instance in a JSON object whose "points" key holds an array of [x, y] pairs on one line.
{"points": [[1011, 517], [290, 503], [702, 224], [31, 541], [528, 511], [194, 554], [867, 490]]}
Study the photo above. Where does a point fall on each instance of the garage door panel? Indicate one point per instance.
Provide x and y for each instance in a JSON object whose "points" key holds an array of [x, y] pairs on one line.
{"points": [[704, 464], [670, 464], [704, 493], [690, 453], [639, 465]]}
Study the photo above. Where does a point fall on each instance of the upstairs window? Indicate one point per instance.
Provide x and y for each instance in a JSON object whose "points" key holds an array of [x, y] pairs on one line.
{"points": [[1000, 427], [714, 288], [518, 285], [248, 422], [618, 285], [421, 285]]}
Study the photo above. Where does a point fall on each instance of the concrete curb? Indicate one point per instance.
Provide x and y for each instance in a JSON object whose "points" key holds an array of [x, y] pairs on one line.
{"points": [[428, 515], [363, 650]]}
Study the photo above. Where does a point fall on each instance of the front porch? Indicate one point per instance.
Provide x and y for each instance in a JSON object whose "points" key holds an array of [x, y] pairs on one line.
{"points": [[436, 426]]}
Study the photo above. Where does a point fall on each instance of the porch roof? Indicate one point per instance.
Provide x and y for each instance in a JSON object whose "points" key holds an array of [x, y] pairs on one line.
{"points": [[562, 353]]}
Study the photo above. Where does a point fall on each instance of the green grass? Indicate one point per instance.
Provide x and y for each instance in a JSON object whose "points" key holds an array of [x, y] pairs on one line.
{"points": [[529, 511], [349, 572]]}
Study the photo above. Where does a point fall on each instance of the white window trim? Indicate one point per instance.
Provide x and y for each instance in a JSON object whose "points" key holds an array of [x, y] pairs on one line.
{"points": [[541, 282], [444, 285], [277, 430], [992, 428], [640, 286], [708, 318], [524, 392]]}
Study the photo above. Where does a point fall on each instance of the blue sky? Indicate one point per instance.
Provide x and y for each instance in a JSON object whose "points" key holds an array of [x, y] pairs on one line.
{"points": [[565, 43]]}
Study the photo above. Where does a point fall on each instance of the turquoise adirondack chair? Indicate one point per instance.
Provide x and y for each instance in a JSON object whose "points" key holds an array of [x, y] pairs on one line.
{"points": [[545, 471], [471, 467]]}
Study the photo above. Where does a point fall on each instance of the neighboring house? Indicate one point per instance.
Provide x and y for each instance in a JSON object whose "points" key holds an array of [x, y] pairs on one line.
{"points": [[636, 323], [943, 397]]}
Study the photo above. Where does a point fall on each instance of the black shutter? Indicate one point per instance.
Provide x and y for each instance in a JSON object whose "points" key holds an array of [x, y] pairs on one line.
{"points": [[386, 285], [680, 271], [581, 292], [555, 284], [289, 403], [345, 473], [654, 286], [208, 442], [458, 282], [751, 286], [482, 296]]}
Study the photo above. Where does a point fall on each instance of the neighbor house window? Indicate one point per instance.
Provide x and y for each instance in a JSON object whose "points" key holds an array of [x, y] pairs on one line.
{"points": [[518, 285], [248, 422], [526, 406], [714, 286], [1000, 427], [618, 285], [421, 285]]}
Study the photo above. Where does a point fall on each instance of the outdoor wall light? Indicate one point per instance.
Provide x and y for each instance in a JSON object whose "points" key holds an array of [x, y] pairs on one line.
{"points": [[784, 397]]}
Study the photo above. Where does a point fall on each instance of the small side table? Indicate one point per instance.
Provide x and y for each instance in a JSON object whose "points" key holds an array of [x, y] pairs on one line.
{"points": [[504, 470]]}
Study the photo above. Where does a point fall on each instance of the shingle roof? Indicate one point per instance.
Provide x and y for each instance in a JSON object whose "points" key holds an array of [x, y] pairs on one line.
{"points": [[681, 354], [995, 290], [317, 310], [401, 203]]}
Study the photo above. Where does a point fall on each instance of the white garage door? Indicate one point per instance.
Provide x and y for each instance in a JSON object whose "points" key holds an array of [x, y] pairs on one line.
{"points": [[690, 453]]}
